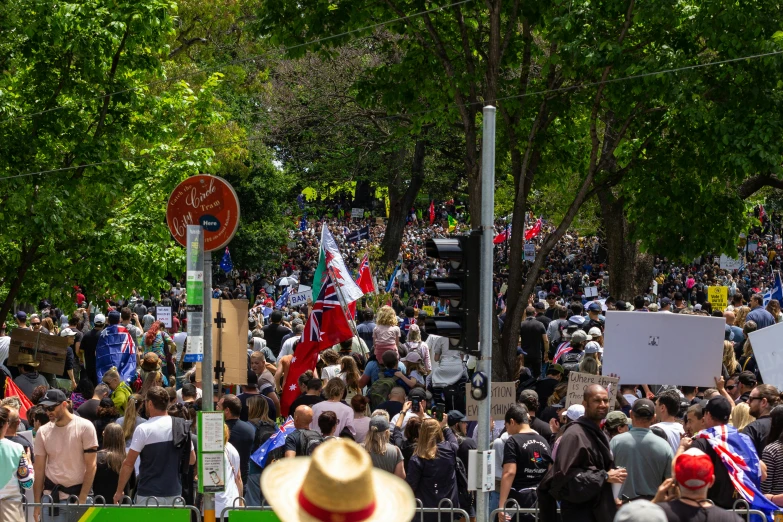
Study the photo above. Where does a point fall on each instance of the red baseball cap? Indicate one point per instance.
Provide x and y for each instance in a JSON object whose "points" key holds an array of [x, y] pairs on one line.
{"points": [[693, 469]]}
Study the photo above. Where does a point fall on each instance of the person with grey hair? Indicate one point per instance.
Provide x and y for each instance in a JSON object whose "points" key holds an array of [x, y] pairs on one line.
{"points": [[290, 341], [526, 457]]}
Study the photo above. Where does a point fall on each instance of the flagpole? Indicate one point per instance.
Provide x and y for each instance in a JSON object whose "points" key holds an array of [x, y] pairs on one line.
{"points": [[341, 298]]}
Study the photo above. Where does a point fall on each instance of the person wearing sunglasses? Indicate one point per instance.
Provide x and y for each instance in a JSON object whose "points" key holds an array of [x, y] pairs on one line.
{"points": [[35, 324], [65, 454]]}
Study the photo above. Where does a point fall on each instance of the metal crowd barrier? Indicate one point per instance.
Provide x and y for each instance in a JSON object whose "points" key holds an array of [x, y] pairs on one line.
{"points": [[74, 510]]}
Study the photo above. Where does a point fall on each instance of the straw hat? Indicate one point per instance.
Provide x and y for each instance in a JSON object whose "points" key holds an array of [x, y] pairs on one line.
{"points": [[26, 359], [337, 484]]}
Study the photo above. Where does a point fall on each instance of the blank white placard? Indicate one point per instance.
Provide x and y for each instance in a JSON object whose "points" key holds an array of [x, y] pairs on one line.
{"points": [[768, 348], [663, 348]]}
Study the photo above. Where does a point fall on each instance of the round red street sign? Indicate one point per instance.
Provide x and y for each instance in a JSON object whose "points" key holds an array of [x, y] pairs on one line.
{"points": [[206, 200]]}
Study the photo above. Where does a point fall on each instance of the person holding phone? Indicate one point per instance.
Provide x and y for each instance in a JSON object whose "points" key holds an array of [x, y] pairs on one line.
{"points": [[420, 400]]}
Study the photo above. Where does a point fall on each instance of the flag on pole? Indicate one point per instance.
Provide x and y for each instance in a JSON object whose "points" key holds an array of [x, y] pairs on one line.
{"points": [[272, 443], [432, 212], [358, 235], [503, 236], [12, 390], [390, 284], [326, 327], [452, 224], [303, 224], [365, 281], [283, 300], [225, 264], [115, 349], [533, 232], [738, 455], [329, 256], [776, 292], [762, 214]]}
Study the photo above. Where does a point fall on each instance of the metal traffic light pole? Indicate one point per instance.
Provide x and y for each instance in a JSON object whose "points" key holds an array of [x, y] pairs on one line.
{"points": [[485, 307]]}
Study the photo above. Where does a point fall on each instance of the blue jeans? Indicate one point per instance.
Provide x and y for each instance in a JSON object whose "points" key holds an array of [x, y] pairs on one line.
{"points": [[253, 490], [494, 500]]}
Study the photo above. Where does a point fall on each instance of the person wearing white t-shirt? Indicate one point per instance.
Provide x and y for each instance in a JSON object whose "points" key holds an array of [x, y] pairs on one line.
{"points": [[232, 491], [667, 406]]}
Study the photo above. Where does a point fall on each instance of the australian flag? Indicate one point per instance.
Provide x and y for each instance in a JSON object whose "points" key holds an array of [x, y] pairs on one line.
{"points": [[116, 350], [738, 455], [272, 443], [358, 235], [225, 264], [283, 300]]}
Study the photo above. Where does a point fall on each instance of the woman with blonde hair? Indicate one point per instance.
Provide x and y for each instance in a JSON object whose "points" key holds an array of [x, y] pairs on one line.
{"points": [[331, 368], [414, 369], [334, 391], [740, 416], [349, 373], [740, 314], [133, 417], [386, 335], [590, 365], [432, 469], [414, 344], [729, 360], [748, 360], [258, 410], [773, 307], [383, 454]]}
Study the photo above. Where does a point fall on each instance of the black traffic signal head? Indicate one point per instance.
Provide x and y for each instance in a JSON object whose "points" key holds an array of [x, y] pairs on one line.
{"points": [[461, 288]]}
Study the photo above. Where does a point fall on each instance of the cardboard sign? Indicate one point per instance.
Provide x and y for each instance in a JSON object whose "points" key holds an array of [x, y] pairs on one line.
{"points": [[680, 350], [768, 349], [357, 213], [530, 252], [728, 263], [300, 298], [48, 350], [718, 297], [578, 383], [504, 395], [164, 315]]}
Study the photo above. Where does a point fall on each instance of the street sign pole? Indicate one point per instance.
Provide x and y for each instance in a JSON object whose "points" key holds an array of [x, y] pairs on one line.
{"points": [[485, 307], [206, 368]]}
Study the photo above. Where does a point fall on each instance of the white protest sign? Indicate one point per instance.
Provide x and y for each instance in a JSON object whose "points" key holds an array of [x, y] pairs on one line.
{"points": [[530, 252], [301, 297], [164, 315], [578, 383], [591, 291], [504, 396], [659, 348], [728, 263], [768, 349], [357, 213]]}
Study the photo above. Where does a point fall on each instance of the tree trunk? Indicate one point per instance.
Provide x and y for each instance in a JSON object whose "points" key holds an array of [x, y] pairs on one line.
{"points": [[28, 258], [630, 270], [363, 194], [400, 203]]}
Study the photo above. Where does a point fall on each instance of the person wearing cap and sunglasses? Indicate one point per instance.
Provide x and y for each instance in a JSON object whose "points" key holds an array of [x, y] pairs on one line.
{"points": [[683, 497], [65, 454]]}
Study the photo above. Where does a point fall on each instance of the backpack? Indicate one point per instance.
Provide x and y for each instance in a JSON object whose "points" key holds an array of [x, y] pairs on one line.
{"points": [[264, 430], [308, 441], [379, 391], [465, 497], [570, 361]]}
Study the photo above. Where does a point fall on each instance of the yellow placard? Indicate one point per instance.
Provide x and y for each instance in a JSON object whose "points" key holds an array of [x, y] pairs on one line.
{"points": [[429, 309], [718, 297]]}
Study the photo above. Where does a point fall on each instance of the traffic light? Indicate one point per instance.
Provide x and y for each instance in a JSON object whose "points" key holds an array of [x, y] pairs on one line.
{"points": [[461, 287]]}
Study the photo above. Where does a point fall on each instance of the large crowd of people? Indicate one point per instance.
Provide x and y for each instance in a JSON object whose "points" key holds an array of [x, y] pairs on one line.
{"points": [[397, 394]]}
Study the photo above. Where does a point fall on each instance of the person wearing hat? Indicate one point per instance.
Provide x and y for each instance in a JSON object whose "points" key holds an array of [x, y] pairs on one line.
{"points": [[684, 497], [666, 305], [367, 494], [546, 386], [383, 454], [526, 457], [646, 457], [594, 318], [616, 423], [746, 382], [571, 356], [418, 396], [21, 320], [29, 378], [16, 470], [65, 453], [597, 335], [90, 345], [540, 315]]}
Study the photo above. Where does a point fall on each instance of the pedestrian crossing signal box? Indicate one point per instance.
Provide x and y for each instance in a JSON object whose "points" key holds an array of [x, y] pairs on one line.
{"points": [[482, 463]]}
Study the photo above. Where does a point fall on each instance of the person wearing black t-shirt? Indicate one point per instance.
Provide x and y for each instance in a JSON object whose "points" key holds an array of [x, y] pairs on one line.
{"points": [[526, 457], [311, 396], [534, 341], [530, 399], [242, 433], [274, 332]]}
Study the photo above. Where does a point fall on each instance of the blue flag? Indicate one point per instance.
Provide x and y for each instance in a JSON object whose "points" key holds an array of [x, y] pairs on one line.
{"points": [[303, 224], [116, 350], [776, 292], [390, 284], [275, 441], [225, 264], [283, 300], [300, 201]]}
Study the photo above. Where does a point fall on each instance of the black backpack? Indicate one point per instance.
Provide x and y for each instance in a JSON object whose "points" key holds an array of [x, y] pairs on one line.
{"points": [[466, 497], [308, 441], [264, 430], [570, 361]]}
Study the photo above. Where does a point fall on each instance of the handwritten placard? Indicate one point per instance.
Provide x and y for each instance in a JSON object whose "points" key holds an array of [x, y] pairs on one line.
{"points": [[503, 397], [578, 383]]}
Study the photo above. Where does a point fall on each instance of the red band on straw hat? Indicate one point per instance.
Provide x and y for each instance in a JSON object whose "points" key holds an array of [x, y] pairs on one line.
{"points": [[324, 515]]}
